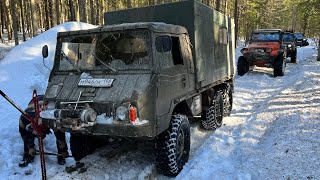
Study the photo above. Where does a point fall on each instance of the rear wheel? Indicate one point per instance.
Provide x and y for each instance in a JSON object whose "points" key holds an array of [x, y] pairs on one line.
{"points": [[243, 66], [279, 66], [294, 57], [212, 117], [173, 146], [227, 100]]}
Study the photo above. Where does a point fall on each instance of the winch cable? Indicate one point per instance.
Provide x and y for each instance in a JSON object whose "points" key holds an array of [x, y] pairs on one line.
{"points": [[36, 124]]}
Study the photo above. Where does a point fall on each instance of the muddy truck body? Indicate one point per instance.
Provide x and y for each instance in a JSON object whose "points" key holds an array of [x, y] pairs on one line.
{"points": [[141, 76]]}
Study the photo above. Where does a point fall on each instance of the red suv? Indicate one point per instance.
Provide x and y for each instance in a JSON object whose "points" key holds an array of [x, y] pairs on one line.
{"points": [[265, 49]]}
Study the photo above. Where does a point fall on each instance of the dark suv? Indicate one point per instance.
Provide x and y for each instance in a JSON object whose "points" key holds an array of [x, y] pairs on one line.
{"points": [[290, 42], [301, 39]]}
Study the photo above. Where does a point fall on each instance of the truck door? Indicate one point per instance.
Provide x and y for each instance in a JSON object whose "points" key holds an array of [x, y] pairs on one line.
{"points": [[173, 80]]}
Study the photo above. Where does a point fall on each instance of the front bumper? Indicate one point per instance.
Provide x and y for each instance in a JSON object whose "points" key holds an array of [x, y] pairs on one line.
{"points": [[74, 121], [262, 59]]}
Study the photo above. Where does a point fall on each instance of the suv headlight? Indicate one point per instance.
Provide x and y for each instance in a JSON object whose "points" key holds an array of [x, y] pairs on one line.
{"points": [[304, 39], [289, 45]]}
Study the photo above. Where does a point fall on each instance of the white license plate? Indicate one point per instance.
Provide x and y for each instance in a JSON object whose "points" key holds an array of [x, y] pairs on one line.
{"points": [[96, 82]]}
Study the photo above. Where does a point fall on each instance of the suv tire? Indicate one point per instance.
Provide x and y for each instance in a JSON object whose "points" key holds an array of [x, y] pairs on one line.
{"points": [[279, 66], [294, 57], [212, 117], [243, 66], [172, 146]]}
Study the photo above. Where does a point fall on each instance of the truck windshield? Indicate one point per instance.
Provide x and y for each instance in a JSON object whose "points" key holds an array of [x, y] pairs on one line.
{"points": [[265, 36], [123, 50]]}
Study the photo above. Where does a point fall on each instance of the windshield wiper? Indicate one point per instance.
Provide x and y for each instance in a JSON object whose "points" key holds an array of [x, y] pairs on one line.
{"points": [[74, 66], [103, 63]]}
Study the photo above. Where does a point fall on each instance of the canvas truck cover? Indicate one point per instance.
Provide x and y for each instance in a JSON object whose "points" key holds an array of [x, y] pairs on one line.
{"points": [[211, 34]]}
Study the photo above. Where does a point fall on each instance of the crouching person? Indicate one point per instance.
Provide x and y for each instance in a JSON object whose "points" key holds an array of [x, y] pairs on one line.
{"points": [[28, 136]]}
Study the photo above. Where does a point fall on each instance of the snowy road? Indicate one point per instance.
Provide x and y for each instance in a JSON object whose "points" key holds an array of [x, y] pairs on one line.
{"points": [[273, 132]]}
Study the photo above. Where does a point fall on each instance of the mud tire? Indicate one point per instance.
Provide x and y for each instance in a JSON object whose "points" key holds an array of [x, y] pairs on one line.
{"points": [[243, 66], [227, 96], [172, 146], [81, 145], [212, 117], [279, 66], [294, 57]]}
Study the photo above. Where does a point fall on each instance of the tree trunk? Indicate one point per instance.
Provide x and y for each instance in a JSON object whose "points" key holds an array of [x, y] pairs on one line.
{"points": [[92, 12], [22, 20], [47, 22], [2, 17], [34, 18], [218, 5], [97, 12], [236, 21], [72, 11], [57, 11], [40, 16], [83, 10], [14, 21], [319, 50], [8, 24], [129, 4], [51, 16]]}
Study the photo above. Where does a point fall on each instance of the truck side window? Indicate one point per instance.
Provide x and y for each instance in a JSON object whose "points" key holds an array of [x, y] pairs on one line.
{"points": [[163, 43], [176, 53]]}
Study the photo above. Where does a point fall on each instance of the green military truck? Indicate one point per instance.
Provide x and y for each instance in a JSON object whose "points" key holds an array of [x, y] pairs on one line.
{"points": [[141, 76]]}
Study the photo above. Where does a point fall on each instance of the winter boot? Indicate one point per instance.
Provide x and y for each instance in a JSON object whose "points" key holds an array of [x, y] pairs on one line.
{"points": [[27, 158]]}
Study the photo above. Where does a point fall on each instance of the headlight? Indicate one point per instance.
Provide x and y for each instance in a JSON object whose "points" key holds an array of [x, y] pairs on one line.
{"points": [[121, 112], [289, 45], [53, 91], [304, 39]]}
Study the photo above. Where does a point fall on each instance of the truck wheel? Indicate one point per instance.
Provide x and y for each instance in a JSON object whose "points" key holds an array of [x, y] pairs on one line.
{"points": [[212, 117], [81, 145], [172, 146], [279, 66], [294, 57], [243, 66], [227, 100]]}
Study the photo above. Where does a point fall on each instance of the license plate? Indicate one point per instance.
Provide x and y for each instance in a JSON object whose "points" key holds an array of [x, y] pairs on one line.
{"points": [[96, 82]]}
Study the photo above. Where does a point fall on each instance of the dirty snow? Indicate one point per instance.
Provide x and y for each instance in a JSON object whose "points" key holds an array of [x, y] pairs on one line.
{"points": [[272, 133]]}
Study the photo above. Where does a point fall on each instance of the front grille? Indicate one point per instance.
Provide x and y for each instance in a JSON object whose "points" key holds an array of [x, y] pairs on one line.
{"points": [[100, 108]]}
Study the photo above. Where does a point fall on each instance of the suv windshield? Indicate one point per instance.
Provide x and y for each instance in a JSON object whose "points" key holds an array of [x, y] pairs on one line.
{"points": [[265, 36], [288, 37], [123, 50]]}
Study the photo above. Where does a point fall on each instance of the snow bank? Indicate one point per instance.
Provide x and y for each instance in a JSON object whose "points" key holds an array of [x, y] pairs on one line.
{"points": [[21, 71]]}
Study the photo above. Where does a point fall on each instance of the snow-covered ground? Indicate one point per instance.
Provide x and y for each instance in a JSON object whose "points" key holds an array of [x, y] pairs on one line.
{"points": [[273, 132]]}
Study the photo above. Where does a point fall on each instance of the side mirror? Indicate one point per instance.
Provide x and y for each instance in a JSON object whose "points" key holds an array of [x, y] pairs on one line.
{"points": [[45, 51]]}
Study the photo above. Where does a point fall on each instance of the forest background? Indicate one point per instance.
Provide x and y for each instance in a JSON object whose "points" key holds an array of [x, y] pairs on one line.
{"points": [[27, 18]]}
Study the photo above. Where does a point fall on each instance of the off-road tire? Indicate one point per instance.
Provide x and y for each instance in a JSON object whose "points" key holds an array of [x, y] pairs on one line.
{"points": [[227, 100], [294, 57], [279, 66], [212, 117], [243, 66], [81, 145], [172, 146]]}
